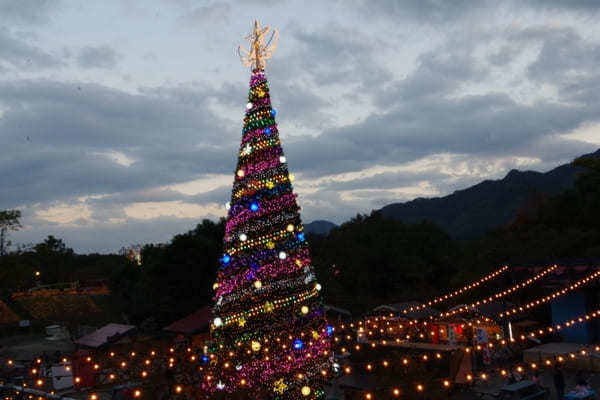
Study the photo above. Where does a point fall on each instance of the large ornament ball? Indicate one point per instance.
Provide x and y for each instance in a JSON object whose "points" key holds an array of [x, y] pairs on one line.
{"points": [[241, 173], [304, 310], [227, 205], [282, 159], [243, 237], [305, 391], [218, 322], [267, 131], [273, 112], [257, 284], [255, 345], [318, 287], [290, 228], [282, 255], [248, 106], [254, 206]]}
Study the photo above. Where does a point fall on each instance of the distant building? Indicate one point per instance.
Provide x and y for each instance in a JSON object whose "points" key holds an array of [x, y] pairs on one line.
{"points": [[192, 329], [108, 334]]}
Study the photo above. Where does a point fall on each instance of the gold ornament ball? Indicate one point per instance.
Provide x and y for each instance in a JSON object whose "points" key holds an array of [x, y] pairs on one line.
{"points": [[255, 345], [290, 228], [304, 310], [257, 284], [305, 391]]}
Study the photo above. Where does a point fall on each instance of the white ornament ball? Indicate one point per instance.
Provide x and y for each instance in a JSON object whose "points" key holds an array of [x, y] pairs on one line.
{"points": [[282, 255], [227, 205], [304, 310], [243, 237], [248, 106], [282, 159], [257, 284], [218, 322], [290, 228], [318, 287]]}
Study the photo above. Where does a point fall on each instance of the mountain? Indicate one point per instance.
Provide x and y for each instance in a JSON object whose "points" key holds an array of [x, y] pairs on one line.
{"points": [[492, 203], [320, 227]]}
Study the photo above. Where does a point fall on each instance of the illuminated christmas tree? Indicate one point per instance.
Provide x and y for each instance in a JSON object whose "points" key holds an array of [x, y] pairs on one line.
{"points": [[269, 338]]}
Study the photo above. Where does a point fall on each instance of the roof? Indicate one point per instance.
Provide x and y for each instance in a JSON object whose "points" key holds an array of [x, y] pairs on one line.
{"points": [[105, 334], [197, 321], [515, 387], [339, 310], [424, 346], [419, 313], [489, 309], [556, 348]]}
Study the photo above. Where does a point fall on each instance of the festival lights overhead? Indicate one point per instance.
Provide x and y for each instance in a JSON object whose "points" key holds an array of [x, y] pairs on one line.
{"points": [[458, 292], [532, 304], [502, 293]]}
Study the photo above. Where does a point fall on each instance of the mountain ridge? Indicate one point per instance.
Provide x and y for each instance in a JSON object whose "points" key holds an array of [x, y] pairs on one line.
{"points": [[470, 212]]}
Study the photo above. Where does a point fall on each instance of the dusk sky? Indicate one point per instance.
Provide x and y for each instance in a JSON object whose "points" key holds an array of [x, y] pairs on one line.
{"points": [[120, 121]]}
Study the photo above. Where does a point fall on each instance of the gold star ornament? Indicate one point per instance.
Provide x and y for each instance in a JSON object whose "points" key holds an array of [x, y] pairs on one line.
{"points": [[258, 52], [279, 386]]}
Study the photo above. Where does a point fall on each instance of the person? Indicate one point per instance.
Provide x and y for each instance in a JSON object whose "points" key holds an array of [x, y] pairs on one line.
{"points": [[536, 378], [559, 382], [580, 379], [581, 385]]}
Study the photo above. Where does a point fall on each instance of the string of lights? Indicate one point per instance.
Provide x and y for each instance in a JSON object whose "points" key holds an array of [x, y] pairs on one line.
{"points": [[456, 293], [542, 300], [503, 293]]}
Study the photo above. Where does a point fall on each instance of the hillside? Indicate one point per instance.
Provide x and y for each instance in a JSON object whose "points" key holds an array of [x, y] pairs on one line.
{"points": [[319, 227], [492, 203]]}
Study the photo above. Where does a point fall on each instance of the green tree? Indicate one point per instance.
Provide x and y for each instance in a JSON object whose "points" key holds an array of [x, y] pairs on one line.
{"points": [[9, 221], [56, 260]]}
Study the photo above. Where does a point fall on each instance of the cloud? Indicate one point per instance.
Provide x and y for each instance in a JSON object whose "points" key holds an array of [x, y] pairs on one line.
{"points": [[426, 11], [30, 12], [378, 102], [333, 56], [58, 135], [572, 5], [103, 57], [16, 53], [215, 11], [105, 237]]}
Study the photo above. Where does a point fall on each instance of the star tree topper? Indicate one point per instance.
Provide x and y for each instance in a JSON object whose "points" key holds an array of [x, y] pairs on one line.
{"points": [[259, 51]]}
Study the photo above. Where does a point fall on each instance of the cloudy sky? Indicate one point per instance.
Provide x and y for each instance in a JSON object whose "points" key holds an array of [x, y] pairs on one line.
{"points": [[120, 120]]}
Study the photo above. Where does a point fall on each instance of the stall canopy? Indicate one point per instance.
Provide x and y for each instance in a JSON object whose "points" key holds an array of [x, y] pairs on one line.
{"points": [[197, 322], [106, 334]]}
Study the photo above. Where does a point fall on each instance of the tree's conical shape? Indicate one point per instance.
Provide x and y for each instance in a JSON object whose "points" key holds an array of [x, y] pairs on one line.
{"points": [[269, 338]]}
